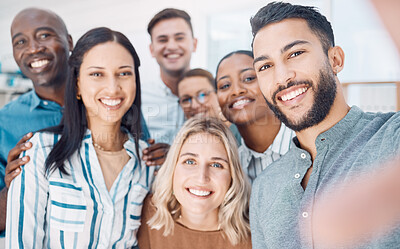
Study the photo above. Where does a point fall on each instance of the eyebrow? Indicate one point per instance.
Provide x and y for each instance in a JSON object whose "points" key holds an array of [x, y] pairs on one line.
{"points": [[246, 69], [219, 159], [283, 50], [189, 154], [166, 36], [98, 67], [36, 30]]}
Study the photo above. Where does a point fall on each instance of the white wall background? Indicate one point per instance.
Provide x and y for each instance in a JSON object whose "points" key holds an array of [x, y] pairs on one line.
{"points": [[131, 18], [221, 26]]}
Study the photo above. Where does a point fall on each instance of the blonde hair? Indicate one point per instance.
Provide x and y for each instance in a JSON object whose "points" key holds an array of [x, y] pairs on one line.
{"points": [[233, 212]]}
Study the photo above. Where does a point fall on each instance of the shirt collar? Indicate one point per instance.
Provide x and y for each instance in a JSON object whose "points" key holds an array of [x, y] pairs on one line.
{"points": [[36, 101]]}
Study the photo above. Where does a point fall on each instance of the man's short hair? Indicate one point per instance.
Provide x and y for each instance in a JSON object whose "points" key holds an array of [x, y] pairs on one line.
{"points": [[277, 11], [169, 13]]}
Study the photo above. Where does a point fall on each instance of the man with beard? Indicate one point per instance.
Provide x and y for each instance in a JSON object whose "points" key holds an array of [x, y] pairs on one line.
{"points": [[296, 63]]}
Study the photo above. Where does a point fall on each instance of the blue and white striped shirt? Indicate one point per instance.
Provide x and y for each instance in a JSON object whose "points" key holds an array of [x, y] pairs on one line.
{"points": [[253, 163], [75, 210]]}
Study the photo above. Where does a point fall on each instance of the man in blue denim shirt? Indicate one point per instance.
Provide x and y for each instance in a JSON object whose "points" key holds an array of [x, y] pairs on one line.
{"points": [[41, 46], [297, 62]]}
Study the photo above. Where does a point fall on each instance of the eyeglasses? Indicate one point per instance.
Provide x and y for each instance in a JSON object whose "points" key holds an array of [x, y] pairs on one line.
{"points": [[201, 97]]}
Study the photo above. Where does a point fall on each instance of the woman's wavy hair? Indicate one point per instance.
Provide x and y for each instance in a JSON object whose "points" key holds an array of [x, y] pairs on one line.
{"points": [[74, 123], [233, 212]]}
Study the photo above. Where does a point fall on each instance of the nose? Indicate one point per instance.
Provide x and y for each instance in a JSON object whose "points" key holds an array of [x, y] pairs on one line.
{"points": [[283, 74], [204, 173], [113, 85], [172, 44], [35, 47], [238, 89]]}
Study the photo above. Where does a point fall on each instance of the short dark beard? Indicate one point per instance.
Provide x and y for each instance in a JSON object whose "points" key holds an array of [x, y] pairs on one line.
{"points": [[325, 94]]}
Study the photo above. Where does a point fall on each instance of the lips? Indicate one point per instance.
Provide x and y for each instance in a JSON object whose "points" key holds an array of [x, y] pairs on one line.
{"points": [[39, 63], [240, 103], [172, 56], [199, 193], [111, 103], [293, 94]]}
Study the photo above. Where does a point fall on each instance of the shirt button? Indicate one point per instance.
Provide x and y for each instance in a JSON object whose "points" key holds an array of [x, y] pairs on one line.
{"points": [[45, 103], [305, 214], [297, 176], [303, 155]]}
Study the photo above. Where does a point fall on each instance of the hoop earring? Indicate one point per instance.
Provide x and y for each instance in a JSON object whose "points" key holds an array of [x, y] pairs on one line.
{"points": [[78, 97]]}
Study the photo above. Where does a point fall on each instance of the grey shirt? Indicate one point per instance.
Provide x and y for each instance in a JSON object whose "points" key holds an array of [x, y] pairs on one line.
{"points": [[281, 211]]}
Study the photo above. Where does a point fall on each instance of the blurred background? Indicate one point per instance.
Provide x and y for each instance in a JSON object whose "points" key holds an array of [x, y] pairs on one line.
{"points": [[371, 75]]}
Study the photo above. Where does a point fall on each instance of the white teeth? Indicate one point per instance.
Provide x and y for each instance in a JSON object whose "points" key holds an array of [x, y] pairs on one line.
{"points": [[293, 94], [199, 192], [110, 102], [240, 102], [40, 63], [173, 56]]}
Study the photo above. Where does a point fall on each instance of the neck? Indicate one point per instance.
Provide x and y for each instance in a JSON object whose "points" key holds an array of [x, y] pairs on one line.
{"points": [[259, 135], [108, 137], [308, 136], [171, 79], [200, 222], [55, 94]]}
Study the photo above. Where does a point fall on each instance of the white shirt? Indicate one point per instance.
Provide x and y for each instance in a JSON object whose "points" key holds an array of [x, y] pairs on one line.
{"points": [[253, 163], [161, 110], [75, 210]]}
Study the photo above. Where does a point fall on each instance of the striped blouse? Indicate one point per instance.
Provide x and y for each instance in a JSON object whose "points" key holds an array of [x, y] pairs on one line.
{"points": [[75, 210], [253, 163]]}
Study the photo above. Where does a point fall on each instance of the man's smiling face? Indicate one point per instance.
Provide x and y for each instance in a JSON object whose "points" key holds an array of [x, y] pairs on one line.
{"points": [[294, 73], [41, 46]]}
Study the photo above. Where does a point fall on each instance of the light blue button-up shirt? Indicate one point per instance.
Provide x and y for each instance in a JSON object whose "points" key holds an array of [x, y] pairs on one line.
{"points": [[75, 210], [29, 113]]}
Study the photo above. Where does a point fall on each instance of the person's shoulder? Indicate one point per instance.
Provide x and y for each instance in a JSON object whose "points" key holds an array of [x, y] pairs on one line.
{"points": [[17, 104], [44, 139]]}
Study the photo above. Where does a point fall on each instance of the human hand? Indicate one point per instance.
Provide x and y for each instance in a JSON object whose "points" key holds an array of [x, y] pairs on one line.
{"points": [[14, 162], [156, 153]]}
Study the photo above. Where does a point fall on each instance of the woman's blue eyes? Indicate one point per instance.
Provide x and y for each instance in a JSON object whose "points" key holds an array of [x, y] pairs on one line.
{"points": [[189, 161], [193, 162], [216, 165]]}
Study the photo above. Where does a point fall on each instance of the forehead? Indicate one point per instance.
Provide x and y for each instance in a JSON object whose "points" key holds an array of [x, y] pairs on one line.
{"points": [[235, 62], [170, 26], [197, 142], [106, 54], [191, 85], [275, 36], [32, 20]]}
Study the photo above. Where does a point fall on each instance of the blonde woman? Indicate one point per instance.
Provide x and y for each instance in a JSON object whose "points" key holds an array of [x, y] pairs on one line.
{"points": [[200, 193]]}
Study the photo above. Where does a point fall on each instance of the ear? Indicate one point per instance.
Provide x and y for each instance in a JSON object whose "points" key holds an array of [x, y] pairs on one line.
{"points": [[70, 43], [336, 59], [78, 91], [151, 47], [194, 45]]}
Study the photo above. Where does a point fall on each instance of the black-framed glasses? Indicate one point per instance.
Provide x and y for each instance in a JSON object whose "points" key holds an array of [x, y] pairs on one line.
{"points": [[201, 98]]}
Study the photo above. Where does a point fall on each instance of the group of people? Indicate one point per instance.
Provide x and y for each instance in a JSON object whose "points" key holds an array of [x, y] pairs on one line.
{"points": [[108, 162]]}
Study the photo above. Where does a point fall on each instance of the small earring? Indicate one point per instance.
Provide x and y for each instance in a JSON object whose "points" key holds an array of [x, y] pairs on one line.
{"points": [[78, 97]]}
